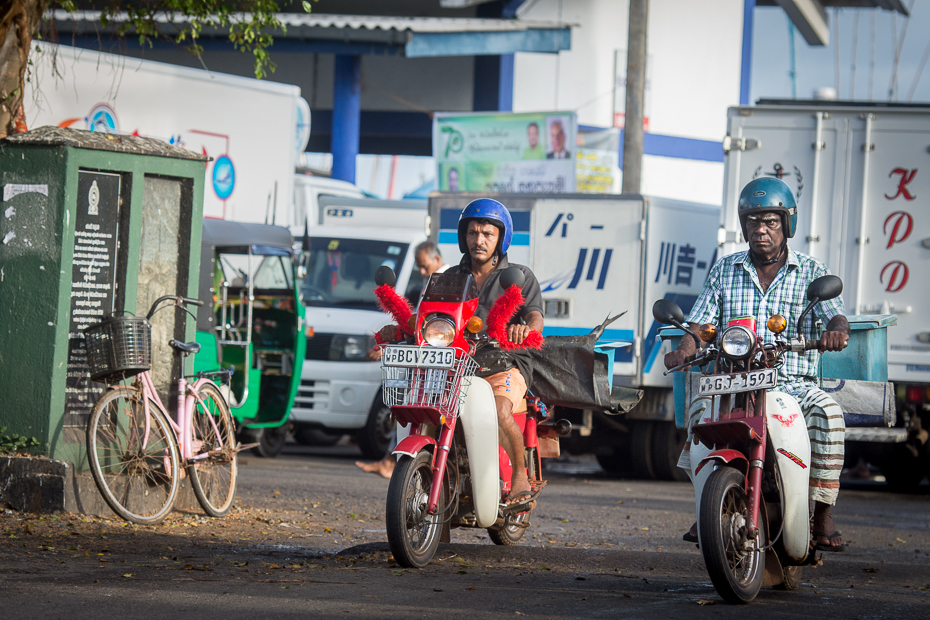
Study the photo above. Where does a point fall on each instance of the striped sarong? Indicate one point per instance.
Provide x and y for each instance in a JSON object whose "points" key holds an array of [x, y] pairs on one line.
{"points": [[827, 432]]}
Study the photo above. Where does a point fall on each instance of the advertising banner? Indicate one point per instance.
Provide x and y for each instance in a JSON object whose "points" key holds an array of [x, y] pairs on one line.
{"points": [[598, 162], [513, 153]]}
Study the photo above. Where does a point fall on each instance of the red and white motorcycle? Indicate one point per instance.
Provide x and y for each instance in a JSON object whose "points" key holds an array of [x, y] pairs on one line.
{"points": [[751, 456], [451, 471]]}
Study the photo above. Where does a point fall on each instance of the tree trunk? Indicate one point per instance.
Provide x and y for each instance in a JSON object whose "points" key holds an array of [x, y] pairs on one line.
{"points": [[19, 21]]}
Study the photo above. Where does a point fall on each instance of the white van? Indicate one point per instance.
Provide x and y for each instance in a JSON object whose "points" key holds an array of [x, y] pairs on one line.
{"points": [[340, 389]]}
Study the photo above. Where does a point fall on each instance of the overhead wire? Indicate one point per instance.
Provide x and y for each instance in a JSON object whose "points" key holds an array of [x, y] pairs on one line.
{"points": [[855, 49], [836, 49], [872, 56]]}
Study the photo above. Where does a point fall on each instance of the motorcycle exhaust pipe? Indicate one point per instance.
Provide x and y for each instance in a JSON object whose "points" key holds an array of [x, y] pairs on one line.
{"points": [[562, 428]]}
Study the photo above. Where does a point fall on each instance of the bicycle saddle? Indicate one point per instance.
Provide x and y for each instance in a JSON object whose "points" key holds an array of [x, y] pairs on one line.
{"points": [[187, 348]]}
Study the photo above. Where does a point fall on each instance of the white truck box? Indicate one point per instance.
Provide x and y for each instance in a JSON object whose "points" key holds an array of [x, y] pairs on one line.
{"points": [[252, 129], [860, 172], [596, 256]]}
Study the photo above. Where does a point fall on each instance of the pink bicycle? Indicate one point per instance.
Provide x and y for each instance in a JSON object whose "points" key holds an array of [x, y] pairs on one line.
{"points": [[136, 450]]}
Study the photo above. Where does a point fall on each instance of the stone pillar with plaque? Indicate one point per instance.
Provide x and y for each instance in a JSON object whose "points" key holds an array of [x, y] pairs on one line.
{"points": [[91, 225]]}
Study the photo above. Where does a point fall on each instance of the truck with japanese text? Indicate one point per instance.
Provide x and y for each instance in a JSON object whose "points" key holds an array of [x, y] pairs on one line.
{"points": [[597, 255], [860, 175]]}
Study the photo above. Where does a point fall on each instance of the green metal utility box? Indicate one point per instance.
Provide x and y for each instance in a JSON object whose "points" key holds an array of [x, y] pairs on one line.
{"points": [[90, 224]]}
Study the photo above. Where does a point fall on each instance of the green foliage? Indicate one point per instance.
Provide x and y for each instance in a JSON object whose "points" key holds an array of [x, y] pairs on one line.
{"points": [[15, 443], [249, 24]]}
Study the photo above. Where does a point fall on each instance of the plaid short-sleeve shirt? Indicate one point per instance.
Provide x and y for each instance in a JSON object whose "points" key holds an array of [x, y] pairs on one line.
{"points": [[732, 290]]}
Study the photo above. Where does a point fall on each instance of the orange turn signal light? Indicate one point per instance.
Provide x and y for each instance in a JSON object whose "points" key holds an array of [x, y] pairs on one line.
{"points": [[777, 323], [474, 324], [412, 322], [707, 332]]}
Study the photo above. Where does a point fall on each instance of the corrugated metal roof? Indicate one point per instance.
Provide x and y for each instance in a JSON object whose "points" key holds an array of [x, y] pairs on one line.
{"points": [[354, 22]]}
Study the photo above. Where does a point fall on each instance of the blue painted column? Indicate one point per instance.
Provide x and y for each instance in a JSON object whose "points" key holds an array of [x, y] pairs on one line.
{"points": [[749, 7], [347, 114], [505, 84]]}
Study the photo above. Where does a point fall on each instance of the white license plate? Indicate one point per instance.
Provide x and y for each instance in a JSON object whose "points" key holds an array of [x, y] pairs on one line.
{"points": [[418, 357], [739, 382]]}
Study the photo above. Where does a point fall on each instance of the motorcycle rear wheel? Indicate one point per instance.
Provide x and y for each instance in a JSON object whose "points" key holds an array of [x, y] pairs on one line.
{"points": [[736, 575], [791, 576], [413, 534], [513, 534]]}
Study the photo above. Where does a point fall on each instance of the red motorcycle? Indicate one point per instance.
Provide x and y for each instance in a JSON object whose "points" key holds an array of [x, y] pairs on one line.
{"points": [[451, 471]]}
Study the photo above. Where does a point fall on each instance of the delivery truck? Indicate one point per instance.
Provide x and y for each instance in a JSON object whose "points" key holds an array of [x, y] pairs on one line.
{"points": [[251, 129], [340, 387]]}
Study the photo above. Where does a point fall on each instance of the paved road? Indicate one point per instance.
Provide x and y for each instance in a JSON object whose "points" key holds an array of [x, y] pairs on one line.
{"points": [[308, 538]]}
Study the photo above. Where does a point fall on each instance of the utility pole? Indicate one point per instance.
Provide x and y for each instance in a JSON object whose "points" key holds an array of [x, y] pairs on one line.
{"points": [[635, 95]]}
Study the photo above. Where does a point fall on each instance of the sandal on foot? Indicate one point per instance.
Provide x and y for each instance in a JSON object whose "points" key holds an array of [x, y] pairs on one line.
{"points": [[831, 548], [517, 502]]}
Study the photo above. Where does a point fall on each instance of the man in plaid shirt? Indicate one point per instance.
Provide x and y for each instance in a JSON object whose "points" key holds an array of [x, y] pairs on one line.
{"points": [[768, 279]]}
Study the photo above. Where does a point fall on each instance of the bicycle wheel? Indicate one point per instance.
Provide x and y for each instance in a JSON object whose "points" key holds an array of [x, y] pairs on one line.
{"points": [[136, 465], [213, 467]]}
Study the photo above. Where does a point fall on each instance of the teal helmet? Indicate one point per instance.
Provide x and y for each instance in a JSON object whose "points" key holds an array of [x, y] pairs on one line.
{"points": [[767, 194]]}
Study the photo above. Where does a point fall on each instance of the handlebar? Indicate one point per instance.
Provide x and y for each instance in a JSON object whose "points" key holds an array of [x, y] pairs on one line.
{"points": [[177, 299]]}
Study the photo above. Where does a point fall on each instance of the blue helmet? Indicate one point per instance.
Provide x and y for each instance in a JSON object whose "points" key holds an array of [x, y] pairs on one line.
{"points": [[487, 209], [767, 194]]}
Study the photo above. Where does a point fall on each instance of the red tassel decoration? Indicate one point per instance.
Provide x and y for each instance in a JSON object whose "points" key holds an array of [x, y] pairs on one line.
{"points": [[503, 310], [396, 306]]}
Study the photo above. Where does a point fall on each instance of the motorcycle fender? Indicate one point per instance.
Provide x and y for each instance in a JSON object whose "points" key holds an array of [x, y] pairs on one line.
{"points": [[699, 476], [478, 418], [790, 442], [412, 444], [724, 457]]}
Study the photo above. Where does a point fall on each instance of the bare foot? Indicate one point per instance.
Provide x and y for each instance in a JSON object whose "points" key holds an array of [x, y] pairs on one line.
{"points": [[826, 537], [383, 468]]}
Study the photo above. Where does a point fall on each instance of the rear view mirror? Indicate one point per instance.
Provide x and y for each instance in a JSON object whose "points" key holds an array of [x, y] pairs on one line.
{"points": [[824, 288], [385, 275], [667, 312], [512, 276]]}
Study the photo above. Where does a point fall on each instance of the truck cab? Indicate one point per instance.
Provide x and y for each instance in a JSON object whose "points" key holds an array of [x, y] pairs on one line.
{"points": [[340, 387]]}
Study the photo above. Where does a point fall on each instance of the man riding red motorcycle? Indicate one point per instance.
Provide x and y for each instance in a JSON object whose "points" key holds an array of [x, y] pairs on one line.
{"points": [[485, 230], [769, 279]]}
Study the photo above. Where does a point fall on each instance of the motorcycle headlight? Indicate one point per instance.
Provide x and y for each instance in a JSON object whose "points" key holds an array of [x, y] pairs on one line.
{"points": [[346, 348], [738, 341], [439, 332]]}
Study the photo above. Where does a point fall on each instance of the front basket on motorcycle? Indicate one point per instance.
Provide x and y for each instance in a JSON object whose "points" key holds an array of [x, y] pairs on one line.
{"points": [[442, 389]]}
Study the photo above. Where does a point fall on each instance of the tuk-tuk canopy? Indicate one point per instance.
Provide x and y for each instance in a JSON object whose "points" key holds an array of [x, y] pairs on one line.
{"points": [[236, 237]]}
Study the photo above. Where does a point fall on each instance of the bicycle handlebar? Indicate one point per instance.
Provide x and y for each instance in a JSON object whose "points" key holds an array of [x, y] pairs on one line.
{"points": [[177, 299]]}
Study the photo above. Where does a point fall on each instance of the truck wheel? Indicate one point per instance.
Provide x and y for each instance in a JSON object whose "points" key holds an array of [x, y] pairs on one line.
{"points": [[667, 441], [307, 435], [376, 436], [641, 449]]}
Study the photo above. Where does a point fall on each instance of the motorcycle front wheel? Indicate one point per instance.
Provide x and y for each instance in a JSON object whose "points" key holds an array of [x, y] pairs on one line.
{"points": [[736, 565], [413, 534]]}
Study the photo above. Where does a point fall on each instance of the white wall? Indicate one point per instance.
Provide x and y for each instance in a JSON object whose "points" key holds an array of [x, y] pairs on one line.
{"points": [[694, 53]]}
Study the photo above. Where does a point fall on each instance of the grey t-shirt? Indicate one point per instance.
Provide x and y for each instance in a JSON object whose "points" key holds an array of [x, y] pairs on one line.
{"points": [[492, 289]]}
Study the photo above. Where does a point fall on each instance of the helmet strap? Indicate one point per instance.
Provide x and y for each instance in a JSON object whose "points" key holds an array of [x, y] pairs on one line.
{"points": [[765, 263]]}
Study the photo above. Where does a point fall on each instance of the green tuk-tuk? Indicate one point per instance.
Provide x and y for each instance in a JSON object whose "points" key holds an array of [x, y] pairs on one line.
{"points": [[252, 322]]}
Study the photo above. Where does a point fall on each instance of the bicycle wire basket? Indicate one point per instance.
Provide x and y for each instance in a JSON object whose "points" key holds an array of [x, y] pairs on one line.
{"points": [[442, 389], [118, 347]]}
